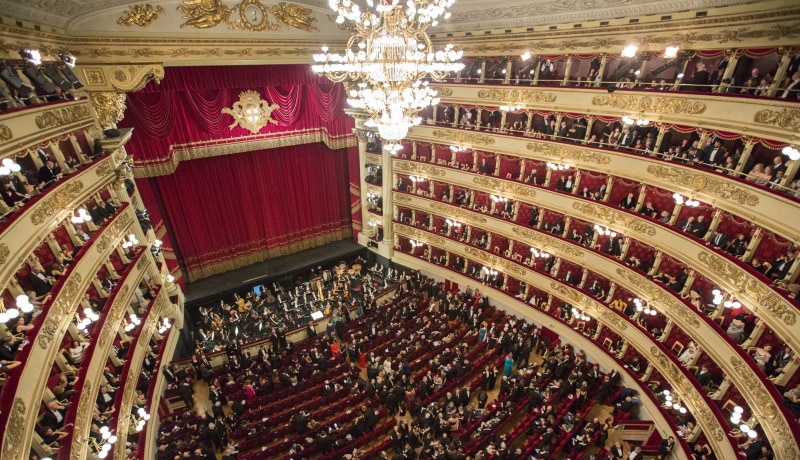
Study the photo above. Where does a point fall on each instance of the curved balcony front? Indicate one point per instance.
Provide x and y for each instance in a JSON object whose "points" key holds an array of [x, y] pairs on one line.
{"points": [[30, 126]]}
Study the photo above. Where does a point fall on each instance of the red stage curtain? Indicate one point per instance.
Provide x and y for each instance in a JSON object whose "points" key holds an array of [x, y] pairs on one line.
{"points": [[231, 211]]}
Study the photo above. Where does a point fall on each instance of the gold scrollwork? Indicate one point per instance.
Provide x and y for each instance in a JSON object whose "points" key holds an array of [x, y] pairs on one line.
{"points": [[401, 198], [702, 182], [113, 233], [767, 299], [4, 253], [461, 137], [443, 90], [615, 217], [5, 133], [670, 105], [784, 118], [252, 15], [373, 159], [12, 441], [109, 106], [114, 317], [458, 213], [140, 15], [420, 235], [653, 293], [103, 169], [58, 311], [563, 152], [83, 415], [517, 95], [251, 112], [56, 202], [134, 77], [63, 116], [547, 242], [419, 168]]}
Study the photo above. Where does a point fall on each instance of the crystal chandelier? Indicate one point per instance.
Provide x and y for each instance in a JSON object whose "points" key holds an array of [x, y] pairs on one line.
{"points": [[387, 59]]}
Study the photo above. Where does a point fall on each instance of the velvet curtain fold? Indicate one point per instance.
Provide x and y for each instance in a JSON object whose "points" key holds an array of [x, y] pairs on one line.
{"points": [[227, 212]]}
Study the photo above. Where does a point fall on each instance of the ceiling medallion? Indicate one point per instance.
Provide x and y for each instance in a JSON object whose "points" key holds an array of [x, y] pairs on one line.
{"points": [[252, 15], [251, 112]]}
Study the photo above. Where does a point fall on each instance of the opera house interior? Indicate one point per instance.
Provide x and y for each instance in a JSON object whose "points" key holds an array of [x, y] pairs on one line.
{"points": [[373, 229]]}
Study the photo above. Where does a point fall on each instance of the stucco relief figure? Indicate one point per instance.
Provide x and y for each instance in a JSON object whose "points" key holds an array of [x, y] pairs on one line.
{"points": [[203, 14], [294, 16]]}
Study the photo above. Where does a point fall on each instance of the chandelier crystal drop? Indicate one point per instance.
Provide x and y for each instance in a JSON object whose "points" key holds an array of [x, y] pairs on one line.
{"points": [[388, 60]]}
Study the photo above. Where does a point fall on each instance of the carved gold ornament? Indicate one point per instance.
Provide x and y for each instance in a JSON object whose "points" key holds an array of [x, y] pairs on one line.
{"points": [[702, 182], [251, 112], [419, 168], [563, 152], [249, 15], [669, 105], [140, 15], [63, 116], [461, 137], [109, 106], [786, 118], [517, 96], [5, 133]]}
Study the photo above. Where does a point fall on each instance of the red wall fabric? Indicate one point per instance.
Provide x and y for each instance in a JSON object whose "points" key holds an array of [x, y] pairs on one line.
{"points": [[231, 211]]}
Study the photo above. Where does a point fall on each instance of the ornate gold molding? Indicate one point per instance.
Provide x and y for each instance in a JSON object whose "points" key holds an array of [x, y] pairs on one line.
{"points": [[4, 253], [113, 234], [668, 105], [548, 243], [461, 137], [114, 316], [12, 441], [108, 106], [703, 182], [252, 15], [57, 201], [62, 116], [135, 76], [613, 216], [58, 311], [374, 159], [660, 297], [140, 15], [443, 90], [103, 169], [564, 152], [417, 234], [784, 118], [5, 133], [505, 187], [735, 276], [517, 96], [457, 213], [400, 198], [251, 112], [495, 261], [83, 416], [419, 168]]}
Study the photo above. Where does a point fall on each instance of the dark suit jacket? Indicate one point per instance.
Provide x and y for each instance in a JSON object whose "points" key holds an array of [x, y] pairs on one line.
{"points": [[47, 175], [41, 287], [719, 241]]}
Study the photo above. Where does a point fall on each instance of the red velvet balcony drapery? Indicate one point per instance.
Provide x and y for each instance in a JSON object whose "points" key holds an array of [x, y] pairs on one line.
{"points": [[181, 118], [231, 211]]}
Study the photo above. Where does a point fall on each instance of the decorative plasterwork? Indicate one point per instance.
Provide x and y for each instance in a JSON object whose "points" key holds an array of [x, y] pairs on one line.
{"points": [[706, 183], [419, 235], [567, 153], [250, 15], [5, 133], [62, 116], [749, 286], [458, 214], [108, 106], [140, 15], [548, 243], [59, 309], [461, 137], [83, 416], [785, 118], [56, 202], [133, 77], [626, 220], [517, 96], [4, 252], [649, 104], [410, 167], [494, 261], [443, 91], [654, 294], [251, 112], [505, 187], [13, 439]]}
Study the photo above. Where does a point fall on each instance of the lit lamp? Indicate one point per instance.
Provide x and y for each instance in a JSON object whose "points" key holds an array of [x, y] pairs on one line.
{"points": [[791, 152], [81, 217], [8, 166], [387, 59]]}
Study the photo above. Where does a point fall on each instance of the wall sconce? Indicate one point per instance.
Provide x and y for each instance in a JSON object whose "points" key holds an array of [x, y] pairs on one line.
{"points": [[165, 326], [453, 223], [416, 179], [644, 307], [638, 121], [789, 151], [82, 216], [674, 402], [108, 442], [489, 271], [581, 316], [510, 108], [415, 244], [604, 231], [134, 322], [629, 51], [23, 304], [536, 253], [8, 167], [89, 317], [130, 241], [499, 199], [457, 149], [680, 200], [142, 418], [671, 52], [526, 55], [557, 167]]}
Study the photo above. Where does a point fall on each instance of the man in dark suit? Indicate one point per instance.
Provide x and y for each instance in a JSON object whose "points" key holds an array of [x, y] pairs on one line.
{"points": [[54, 415], [40, 282], [484, 167], [629, 202], [782, 265], [703, 376], [719, 239], [714, 153], [792, 90], [49, 172], [700, 227]]}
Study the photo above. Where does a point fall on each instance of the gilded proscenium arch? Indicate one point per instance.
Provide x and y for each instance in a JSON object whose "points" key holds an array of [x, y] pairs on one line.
{"points": [[707, 415], [38, 219], [707, 111], [142, 346], [728, 358], [775, 309], [43, 350], [759, 206], [93, 370]]}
